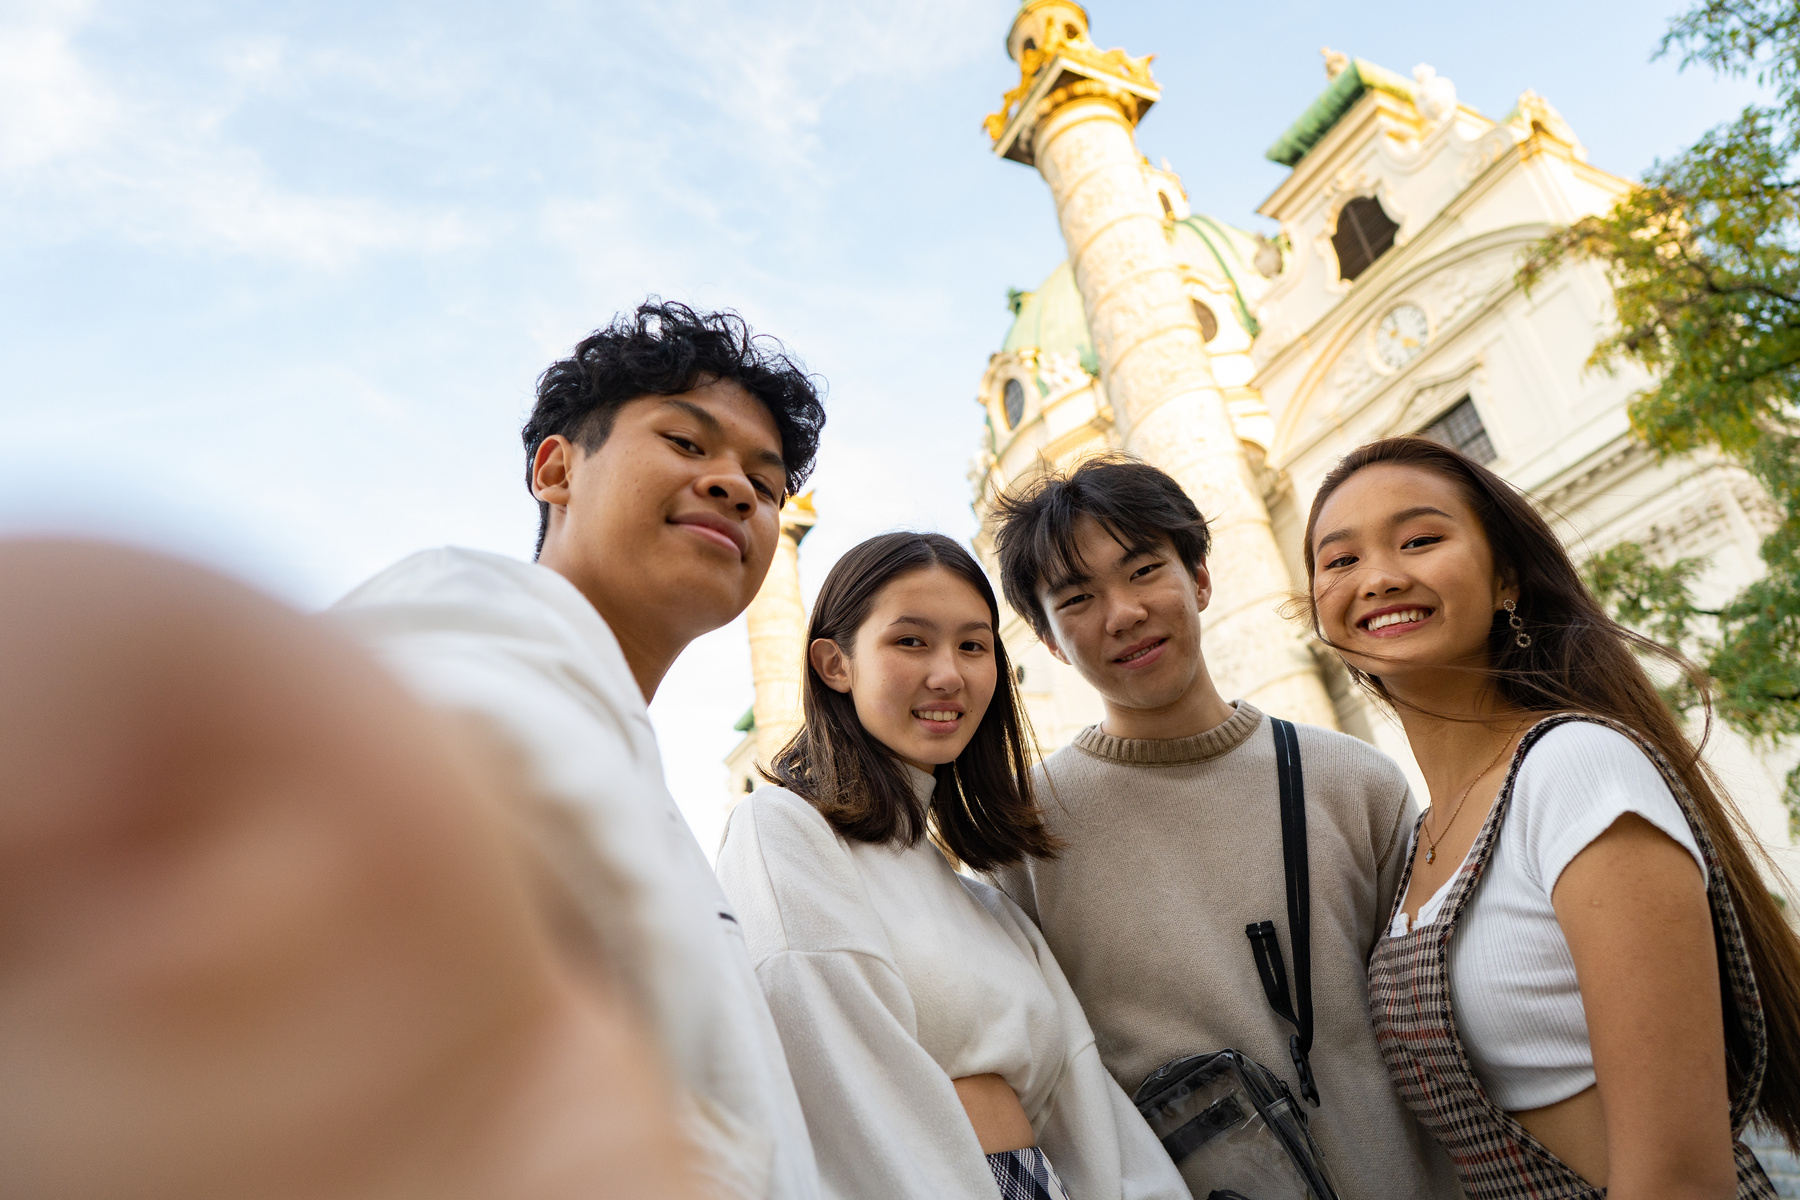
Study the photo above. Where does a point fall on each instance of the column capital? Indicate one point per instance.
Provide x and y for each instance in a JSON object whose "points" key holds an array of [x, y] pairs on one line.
{"points": [[1058, 64], [798, 516]]}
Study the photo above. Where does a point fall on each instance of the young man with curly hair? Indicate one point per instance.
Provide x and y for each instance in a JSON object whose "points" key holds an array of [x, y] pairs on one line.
{"points": [[660, 453], [282, 923]]}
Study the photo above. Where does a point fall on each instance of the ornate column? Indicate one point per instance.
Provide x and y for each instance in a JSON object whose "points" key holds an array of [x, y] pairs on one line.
{"points": [[1072, 117], [777, 627]]}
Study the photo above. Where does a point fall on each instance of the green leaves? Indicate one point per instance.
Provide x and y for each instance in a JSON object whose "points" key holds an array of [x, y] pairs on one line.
{"points": [[1655, 600], [1704, 259]]}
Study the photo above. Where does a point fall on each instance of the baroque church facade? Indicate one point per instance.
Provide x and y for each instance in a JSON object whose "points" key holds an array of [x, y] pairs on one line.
{"points": [[1245, 365]]}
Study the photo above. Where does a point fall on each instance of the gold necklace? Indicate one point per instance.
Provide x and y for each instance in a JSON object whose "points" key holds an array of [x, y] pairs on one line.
{"points": [[1432, 842]]}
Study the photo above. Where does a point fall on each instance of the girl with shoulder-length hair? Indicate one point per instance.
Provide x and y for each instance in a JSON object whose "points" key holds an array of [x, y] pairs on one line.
{"points": [[1586, 987], [936, 1047]]}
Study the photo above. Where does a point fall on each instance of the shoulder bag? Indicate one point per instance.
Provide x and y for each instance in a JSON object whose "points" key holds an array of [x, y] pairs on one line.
{"points": [[1232, 1125]]}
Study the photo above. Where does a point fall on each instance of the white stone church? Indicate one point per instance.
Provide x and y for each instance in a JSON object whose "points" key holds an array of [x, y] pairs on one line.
{"points": [[1245, 366]]}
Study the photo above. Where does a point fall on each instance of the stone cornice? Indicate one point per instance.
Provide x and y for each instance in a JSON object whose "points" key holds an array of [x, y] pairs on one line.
{"points": [[1563, 490]]}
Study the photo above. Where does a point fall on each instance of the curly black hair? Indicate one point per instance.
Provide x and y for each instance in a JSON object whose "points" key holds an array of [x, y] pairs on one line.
{"points": [[664, 348]]}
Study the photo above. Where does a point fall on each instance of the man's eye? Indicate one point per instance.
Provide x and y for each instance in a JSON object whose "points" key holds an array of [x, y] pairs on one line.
{"points": [[1071, 601], [685, 444], [1424, 539], [765, 489]]}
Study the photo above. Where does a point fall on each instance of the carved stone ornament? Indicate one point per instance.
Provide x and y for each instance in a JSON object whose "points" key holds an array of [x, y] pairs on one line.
{"points": [[1536, 117], [1433, 95], [1488, 150], [1062, 371], [1055, 42]]}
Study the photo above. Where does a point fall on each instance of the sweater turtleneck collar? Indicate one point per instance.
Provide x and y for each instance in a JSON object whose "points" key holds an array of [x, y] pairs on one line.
{"points": [[1174, 752], [923, 783]]}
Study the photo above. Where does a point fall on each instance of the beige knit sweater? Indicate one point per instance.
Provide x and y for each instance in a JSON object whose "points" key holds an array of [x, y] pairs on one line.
{"points": [[1172, 847]]}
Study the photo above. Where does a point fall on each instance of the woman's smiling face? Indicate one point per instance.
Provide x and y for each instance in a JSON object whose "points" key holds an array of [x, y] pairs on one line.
{"points": [[1404, 580], [922, 670]]}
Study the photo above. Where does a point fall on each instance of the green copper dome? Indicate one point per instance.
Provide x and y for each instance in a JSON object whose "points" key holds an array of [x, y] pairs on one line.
{"points": [[1052, 320]]}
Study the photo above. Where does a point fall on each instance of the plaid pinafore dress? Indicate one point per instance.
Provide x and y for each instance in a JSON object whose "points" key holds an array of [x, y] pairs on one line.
{"points": [[1409, 1001]]}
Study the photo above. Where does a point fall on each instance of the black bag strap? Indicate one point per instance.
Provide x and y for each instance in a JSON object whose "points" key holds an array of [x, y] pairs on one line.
{"points": [[1264, 946]]}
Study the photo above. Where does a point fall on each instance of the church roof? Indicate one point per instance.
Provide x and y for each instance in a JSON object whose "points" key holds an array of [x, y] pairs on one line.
{"points": [[1052, 319], [1336, 100]]}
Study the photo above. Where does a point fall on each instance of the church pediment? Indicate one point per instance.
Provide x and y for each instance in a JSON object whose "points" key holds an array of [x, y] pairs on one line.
{"points": [[1390, 342]]}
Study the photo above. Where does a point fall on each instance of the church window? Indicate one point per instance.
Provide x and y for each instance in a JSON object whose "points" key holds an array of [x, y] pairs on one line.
{"points": [[1364, 233], [1013, 399], [1031, 43], [1168, 209], [1209, 323], [1461, 429]]}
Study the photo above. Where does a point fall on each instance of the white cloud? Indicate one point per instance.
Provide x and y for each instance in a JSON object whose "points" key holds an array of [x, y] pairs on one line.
{"points": [[132, 155], [49, 107], [773, 69]]}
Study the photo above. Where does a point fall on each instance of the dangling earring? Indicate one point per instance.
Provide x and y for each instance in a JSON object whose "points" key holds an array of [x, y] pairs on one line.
{"points": [[1521, 639]]}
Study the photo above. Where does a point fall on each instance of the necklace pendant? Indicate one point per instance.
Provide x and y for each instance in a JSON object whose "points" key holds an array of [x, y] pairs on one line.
{"points": [[1431, 854]]}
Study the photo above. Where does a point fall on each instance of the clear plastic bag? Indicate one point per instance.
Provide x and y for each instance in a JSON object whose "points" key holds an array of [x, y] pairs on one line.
{"points": [[1233, 1129]]}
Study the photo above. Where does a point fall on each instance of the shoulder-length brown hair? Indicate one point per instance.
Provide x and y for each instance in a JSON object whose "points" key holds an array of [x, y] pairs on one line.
{"points": [[983, 810], [1581, 660]]}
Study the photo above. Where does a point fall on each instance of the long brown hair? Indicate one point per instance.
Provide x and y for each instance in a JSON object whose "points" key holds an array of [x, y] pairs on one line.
{"points": [[983, 810], [1581, 660]]}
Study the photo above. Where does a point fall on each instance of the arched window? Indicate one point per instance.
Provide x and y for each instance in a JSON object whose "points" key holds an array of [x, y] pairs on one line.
{"points": [[1013, 399], [1461, 429], [1209, 323], [1168, 209], [1364, 233]]}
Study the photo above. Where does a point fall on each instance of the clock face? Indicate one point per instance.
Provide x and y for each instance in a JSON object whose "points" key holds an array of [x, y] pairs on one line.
{"points": [[1401, 335]]}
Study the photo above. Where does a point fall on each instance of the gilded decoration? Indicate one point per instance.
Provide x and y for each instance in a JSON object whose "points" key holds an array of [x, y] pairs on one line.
{"points": [[1078, 51]]}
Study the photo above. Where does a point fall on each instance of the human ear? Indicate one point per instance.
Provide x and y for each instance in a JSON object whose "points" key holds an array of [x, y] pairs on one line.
{"points": [[830, 663], [1506, 587], [1202, 586], [550, 469], [1047, 635]]}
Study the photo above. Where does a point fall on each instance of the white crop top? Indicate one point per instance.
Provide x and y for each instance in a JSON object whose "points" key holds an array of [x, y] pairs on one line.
{"points": [[1512, 979]]}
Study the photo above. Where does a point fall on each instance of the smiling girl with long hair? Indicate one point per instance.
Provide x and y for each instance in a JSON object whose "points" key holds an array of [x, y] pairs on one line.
{"points": [[937, 1049], [1586, 987]]}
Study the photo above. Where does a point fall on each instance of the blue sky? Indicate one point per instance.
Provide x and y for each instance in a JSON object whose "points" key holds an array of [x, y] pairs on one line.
{"points": [[278, 277]]}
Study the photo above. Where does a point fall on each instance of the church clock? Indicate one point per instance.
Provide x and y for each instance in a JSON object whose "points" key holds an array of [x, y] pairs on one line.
{"points": [[1401, 335]]}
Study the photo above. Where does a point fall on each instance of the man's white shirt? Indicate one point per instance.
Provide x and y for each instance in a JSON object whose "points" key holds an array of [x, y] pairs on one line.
{"points": [[518, 647]]}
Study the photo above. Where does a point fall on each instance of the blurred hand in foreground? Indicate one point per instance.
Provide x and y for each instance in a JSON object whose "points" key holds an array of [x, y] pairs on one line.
{"points": [[267, 926]]}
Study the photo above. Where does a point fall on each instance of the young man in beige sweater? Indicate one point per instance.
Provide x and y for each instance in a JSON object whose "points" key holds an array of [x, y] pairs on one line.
{"points": [[1169, 815]]}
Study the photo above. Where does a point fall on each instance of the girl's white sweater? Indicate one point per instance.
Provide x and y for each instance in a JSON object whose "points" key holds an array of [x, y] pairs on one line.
{"points": [[889, 975]]}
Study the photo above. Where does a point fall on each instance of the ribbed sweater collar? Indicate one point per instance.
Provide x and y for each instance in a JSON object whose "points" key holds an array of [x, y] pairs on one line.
{"points": [[1173, 752]]}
